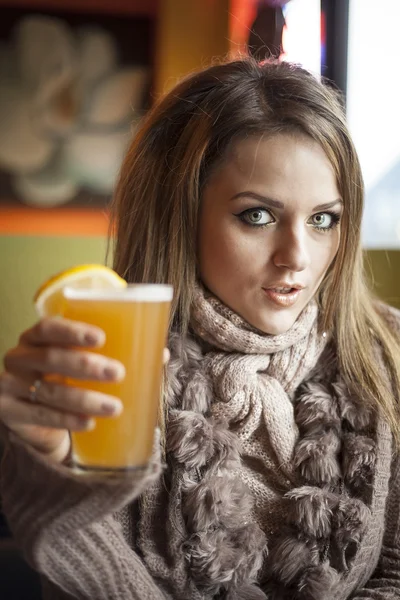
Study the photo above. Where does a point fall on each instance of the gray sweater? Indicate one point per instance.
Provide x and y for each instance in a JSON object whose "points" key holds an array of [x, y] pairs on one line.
{"points": [[79, 532], [69, 534]]}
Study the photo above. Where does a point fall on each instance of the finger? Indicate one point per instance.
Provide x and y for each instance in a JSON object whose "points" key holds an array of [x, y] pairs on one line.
{"points": [[14, 411], [64, 397], [54, 443], [57, 331], [77, 400], [69, 363]]}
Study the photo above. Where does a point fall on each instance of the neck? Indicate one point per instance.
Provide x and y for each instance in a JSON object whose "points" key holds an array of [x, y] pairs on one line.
{"points": [[217, 324]]}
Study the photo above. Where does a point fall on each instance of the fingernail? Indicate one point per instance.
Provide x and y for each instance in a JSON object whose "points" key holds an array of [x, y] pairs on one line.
{"points": [[92, 339], [116, 372], [86, 424], [111, 408]]}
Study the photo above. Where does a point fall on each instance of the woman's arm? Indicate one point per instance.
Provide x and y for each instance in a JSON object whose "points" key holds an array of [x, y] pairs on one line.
{"points": [[385, 581], [63, 522]]}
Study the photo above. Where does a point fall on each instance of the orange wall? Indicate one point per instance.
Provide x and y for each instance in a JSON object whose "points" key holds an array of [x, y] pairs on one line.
{"points": [[242, 15], [190, 34]]}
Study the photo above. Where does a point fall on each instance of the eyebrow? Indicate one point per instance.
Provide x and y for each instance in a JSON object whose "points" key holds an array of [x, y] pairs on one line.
{"points": [[278, 204]]}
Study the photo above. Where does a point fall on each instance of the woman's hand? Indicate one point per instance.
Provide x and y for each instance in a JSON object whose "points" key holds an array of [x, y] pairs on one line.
{"points": [[46, 349]]}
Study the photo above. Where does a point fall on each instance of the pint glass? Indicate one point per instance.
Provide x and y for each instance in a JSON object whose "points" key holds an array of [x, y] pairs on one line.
{"points": [[135, 320]]}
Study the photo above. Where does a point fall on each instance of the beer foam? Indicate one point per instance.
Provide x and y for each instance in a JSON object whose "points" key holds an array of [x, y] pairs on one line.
{"points": [[135, 292]]}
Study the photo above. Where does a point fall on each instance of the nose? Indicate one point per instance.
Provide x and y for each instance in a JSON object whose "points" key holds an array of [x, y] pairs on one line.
{"points": [[291, 251]]}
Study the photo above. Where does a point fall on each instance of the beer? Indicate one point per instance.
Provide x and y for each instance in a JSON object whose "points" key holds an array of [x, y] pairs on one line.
{"points": [[135, 320]]}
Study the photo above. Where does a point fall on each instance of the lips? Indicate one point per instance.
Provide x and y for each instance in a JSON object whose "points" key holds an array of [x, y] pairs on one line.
{"points": [[283, 296], [284, 285], [282, 290]]}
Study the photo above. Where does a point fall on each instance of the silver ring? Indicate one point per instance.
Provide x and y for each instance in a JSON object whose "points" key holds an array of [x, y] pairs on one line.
{"points": [[34, 390]]}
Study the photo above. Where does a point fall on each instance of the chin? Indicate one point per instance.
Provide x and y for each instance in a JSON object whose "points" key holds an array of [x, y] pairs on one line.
{"points": [[280, 323], [276, 328]]}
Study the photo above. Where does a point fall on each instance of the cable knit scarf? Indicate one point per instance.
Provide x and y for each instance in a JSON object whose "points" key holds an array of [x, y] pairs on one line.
{"points": [[270, 461]]}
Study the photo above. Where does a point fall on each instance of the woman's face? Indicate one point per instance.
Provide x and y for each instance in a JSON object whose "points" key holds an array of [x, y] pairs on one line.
{"points": [[269, 228]]}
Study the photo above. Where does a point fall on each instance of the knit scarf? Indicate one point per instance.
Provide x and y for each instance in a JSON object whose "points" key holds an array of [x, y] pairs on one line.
{"points": [[269, 460]]}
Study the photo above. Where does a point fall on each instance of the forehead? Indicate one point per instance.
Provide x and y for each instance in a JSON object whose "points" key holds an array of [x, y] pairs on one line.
{"points": [[283, 166]]}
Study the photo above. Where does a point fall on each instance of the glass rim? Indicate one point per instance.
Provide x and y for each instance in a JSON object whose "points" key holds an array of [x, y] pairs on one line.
{"points": [[133, 292]]}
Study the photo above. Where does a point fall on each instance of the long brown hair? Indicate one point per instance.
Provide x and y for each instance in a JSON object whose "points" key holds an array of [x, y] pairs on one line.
{"points": [[184, 137]]}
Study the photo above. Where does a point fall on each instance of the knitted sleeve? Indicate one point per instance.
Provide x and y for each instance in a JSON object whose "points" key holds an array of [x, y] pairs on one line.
{"points": [[385, 581], [64, 525], [391, 316]]}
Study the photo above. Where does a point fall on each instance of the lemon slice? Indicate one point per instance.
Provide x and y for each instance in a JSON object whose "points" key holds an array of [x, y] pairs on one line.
{"points": [[49, 297]]}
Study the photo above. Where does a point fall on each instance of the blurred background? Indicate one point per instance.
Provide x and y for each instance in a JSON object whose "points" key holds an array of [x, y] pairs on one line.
{"points": [[76, 77]]}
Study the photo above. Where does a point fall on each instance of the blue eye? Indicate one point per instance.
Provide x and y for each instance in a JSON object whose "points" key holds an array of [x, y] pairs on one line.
{"points": [[325, 221], [256, 216]]}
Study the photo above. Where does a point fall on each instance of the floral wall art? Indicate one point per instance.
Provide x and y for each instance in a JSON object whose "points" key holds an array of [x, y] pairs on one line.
{"points": [[72, 92]]}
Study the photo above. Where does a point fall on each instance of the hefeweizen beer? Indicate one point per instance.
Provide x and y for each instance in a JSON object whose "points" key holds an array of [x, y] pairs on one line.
{"points": [[135, 321]]}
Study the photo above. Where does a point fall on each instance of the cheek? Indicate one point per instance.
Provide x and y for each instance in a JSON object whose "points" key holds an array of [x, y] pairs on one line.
{"points": [[324, 256], [222, 250], [215, 252]]}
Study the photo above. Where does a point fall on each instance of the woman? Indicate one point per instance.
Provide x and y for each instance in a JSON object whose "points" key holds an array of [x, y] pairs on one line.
{"points": [[244, 191]]}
